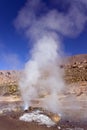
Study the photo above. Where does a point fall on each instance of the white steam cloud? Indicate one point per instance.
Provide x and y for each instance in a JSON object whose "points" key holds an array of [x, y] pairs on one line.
{"points": [[44, 26], [42, 73]]}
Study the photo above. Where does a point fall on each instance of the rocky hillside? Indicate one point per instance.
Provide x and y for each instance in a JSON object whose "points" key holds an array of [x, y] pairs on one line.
{"points": [[75, 71], [77, 59], [9, 82]]}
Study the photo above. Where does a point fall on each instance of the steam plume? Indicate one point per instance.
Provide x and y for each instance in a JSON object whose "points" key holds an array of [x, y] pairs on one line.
{"points": [[44, 25]]}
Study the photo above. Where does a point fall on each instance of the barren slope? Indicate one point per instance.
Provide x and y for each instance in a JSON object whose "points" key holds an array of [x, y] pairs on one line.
{"points": [[75, 75]]}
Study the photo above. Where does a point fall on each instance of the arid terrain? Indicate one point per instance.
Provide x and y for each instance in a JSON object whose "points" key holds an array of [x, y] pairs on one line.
{"points": [[73, 99]]}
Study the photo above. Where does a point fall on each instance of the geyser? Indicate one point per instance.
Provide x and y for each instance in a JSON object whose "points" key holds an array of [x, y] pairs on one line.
{"points": [[42, 74], [44, 25]]}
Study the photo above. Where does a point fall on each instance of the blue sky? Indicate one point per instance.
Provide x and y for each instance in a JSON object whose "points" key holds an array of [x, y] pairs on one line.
{"points": [[15, 47]]}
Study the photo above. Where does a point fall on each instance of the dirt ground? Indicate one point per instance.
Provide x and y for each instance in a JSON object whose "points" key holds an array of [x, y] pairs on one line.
{"points": [[9, 120], [12, 123]]}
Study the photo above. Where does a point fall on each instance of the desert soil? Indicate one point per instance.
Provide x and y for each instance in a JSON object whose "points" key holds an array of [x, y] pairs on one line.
{"points": [[9, 118]]}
